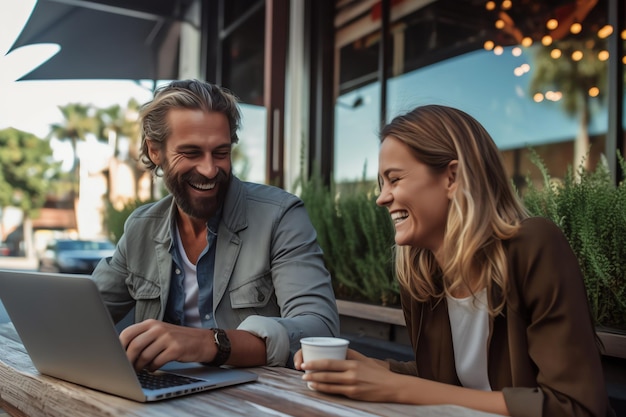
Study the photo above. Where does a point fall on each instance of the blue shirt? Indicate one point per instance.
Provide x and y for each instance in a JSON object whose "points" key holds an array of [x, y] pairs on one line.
{"points": [[175, 310]]}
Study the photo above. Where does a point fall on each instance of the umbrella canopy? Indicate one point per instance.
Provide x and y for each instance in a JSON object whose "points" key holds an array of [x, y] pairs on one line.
{"points": [[106, 39]]}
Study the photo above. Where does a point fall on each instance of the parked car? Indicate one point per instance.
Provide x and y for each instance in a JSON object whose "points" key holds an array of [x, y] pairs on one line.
{"points": [[74, 256]]}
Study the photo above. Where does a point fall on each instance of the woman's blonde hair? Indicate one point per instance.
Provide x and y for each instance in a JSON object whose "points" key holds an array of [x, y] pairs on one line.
{"points": [[484, 211]]}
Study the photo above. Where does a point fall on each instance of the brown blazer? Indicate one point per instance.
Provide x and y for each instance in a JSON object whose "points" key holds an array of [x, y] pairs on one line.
{"points": [[542, 350]]}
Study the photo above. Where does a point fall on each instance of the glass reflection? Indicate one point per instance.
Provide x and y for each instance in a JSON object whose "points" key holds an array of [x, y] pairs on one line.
{"points": [[534, 73]]}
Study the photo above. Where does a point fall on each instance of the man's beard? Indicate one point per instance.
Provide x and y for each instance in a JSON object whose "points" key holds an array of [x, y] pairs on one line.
{"points": [[202, 208]]}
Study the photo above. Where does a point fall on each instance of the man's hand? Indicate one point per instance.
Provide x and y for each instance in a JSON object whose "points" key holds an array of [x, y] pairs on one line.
{"points": [[152, 343]]}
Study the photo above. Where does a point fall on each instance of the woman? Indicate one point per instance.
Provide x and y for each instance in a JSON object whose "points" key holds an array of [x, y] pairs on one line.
{"points": [[494, 301]]}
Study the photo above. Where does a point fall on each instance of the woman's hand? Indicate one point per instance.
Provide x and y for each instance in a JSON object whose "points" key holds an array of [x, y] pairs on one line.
{"points": [[357, 377], [362, 378]]}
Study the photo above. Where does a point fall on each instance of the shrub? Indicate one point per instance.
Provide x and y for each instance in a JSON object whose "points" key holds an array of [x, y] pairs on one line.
{"points": [[115, 218], [591, 211], [357, 238]]}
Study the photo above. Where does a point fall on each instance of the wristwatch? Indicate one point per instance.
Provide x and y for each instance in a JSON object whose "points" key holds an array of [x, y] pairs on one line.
{"points": [[223, 347]]}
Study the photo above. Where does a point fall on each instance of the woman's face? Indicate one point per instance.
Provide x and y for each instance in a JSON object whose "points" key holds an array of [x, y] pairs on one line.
{"points": [[417, 198]]}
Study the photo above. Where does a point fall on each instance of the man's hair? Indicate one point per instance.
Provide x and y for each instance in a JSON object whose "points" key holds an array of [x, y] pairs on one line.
{"points": [[185, 94]]}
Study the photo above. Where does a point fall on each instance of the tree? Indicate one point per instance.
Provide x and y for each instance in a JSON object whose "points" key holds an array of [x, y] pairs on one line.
{"points": [[116, 122], [26, 175], [79, 121], [574, 79]]}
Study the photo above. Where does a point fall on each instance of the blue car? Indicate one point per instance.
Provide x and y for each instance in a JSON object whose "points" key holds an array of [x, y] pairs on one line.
{"points": [[70, 256]]}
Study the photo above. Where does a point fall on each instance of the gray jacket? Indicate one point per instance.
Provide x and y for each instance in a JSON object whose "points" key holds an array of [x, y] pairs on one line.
{"points": [[269, 277]]}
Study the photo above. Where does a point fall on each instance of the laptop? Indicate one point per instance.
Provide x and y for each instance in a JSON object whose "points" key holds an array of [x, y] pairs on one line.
{"points": [[69, 334]]}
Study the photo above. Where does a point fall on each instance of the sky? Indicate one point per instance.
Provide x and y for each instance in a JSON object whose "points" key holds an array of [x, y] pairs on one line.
{"points": [[32, 106]]}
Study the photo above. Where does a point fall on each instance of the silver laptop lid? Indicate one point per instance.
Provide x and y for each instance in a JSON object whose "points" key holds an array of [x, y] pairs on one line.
{"points": [[69, 334], [68, 331]]}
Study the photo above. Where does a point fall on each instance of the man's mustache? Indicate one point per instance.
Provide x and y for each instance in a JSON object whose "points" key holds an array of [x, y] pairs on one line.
{"points": [[221, 176]]}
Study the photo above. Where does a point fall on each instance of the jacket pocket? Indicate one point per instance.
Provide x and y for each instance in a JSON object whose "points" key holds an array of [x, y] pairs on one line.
{"points": [[255, 293], [141, 288]]}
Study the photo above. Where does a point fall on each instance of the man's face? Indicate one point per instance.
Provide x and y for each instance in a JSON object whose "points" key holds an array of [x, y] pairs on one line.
{"points": [[196, 161]]}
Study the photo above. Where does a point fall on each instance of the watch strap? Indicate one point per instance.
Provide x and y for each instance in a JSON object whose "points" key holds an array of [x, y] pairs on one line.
{"points": [[223, 347]]}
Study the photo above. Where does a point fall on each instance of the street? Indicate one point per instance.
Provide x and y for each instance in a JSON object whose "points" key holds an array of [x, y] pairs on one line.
{"points": [[19, 264]]}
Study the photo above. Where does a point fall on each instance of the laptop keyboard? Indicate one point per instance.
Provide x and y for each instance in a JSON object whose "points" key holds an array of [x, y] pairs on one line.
{"points": [[160, 380]]}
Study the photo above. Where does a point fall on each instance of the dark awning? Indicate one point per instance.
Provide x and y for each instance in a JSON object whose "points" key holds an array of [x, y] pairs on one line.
{"points": [[107, 39]]}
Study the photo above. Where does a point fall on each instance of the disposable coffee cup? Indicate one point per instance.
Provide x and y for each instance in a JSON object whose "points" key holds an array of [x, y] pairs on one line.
{"points": [[314, 348]]}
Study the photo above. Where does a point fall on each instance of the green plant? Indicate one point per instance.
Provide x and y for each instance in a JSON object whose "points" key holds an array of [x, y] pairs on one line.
{"points": [[357, 238], [115, 218], [591, 211]]}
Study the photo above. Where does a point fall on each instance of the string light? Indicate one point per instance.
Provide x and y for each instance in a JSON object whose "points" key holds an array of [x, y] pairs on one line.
{"points": [[552, 24], [605, 31], [576, 28], [594, 92], [538, 97], [554, 95], [521, 70]]}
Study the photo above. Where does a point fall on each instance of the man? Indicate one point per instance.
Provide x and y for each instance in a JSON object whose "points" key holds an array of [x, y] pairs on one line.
{"points": [[220, 271]]}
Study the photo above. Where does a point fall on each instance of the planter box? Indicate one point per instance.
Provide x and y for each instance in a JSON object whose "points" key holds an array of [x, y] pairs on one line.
{"points": [[387, 324], [375, 331], [373, 322], [614, 341], [373, 312]]}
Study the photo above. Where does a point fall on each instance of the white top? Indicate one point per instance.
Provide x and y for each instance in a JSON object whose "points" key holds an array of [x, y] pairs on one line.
{"points": [[192, 314], [469, 321]]}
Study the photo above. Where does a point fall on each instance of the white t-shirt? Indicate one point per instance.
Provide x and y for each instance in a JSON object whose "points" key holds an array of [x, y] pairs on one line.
{"points": [[469, 321], [192, 314]]}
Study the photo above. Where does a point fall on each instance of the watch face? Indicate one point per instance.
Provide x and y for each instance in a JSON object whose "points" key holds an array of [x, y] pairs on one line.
{"points": [[223, 340], [223, 347]]}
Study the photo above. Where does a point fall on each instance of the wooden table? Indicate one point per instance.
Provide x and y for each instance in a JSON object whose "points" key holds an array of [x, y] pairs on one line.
{"points": [[278, 392]]}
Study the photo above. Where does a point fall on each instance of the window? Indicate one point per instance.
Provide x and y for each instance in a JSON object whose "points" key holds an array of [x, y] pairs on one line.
{"points": [[493, 60]]}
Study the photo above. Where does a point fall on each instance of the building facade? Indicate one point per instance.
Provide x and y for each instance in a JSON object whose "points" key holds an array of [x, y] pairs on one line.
{"points": [[325, 75]]}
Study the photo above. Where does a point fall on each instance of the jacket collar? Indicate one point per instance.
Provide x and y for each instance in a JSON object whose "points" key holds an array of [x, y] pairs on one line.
{"points": [[234, 214]]}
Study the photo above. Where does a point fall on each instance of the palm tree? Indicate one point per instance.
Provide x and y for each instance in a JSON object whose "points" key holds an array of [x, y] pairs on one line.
{"points": [[131, 132], [574, 79], [78, 123], [117, 123]]}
